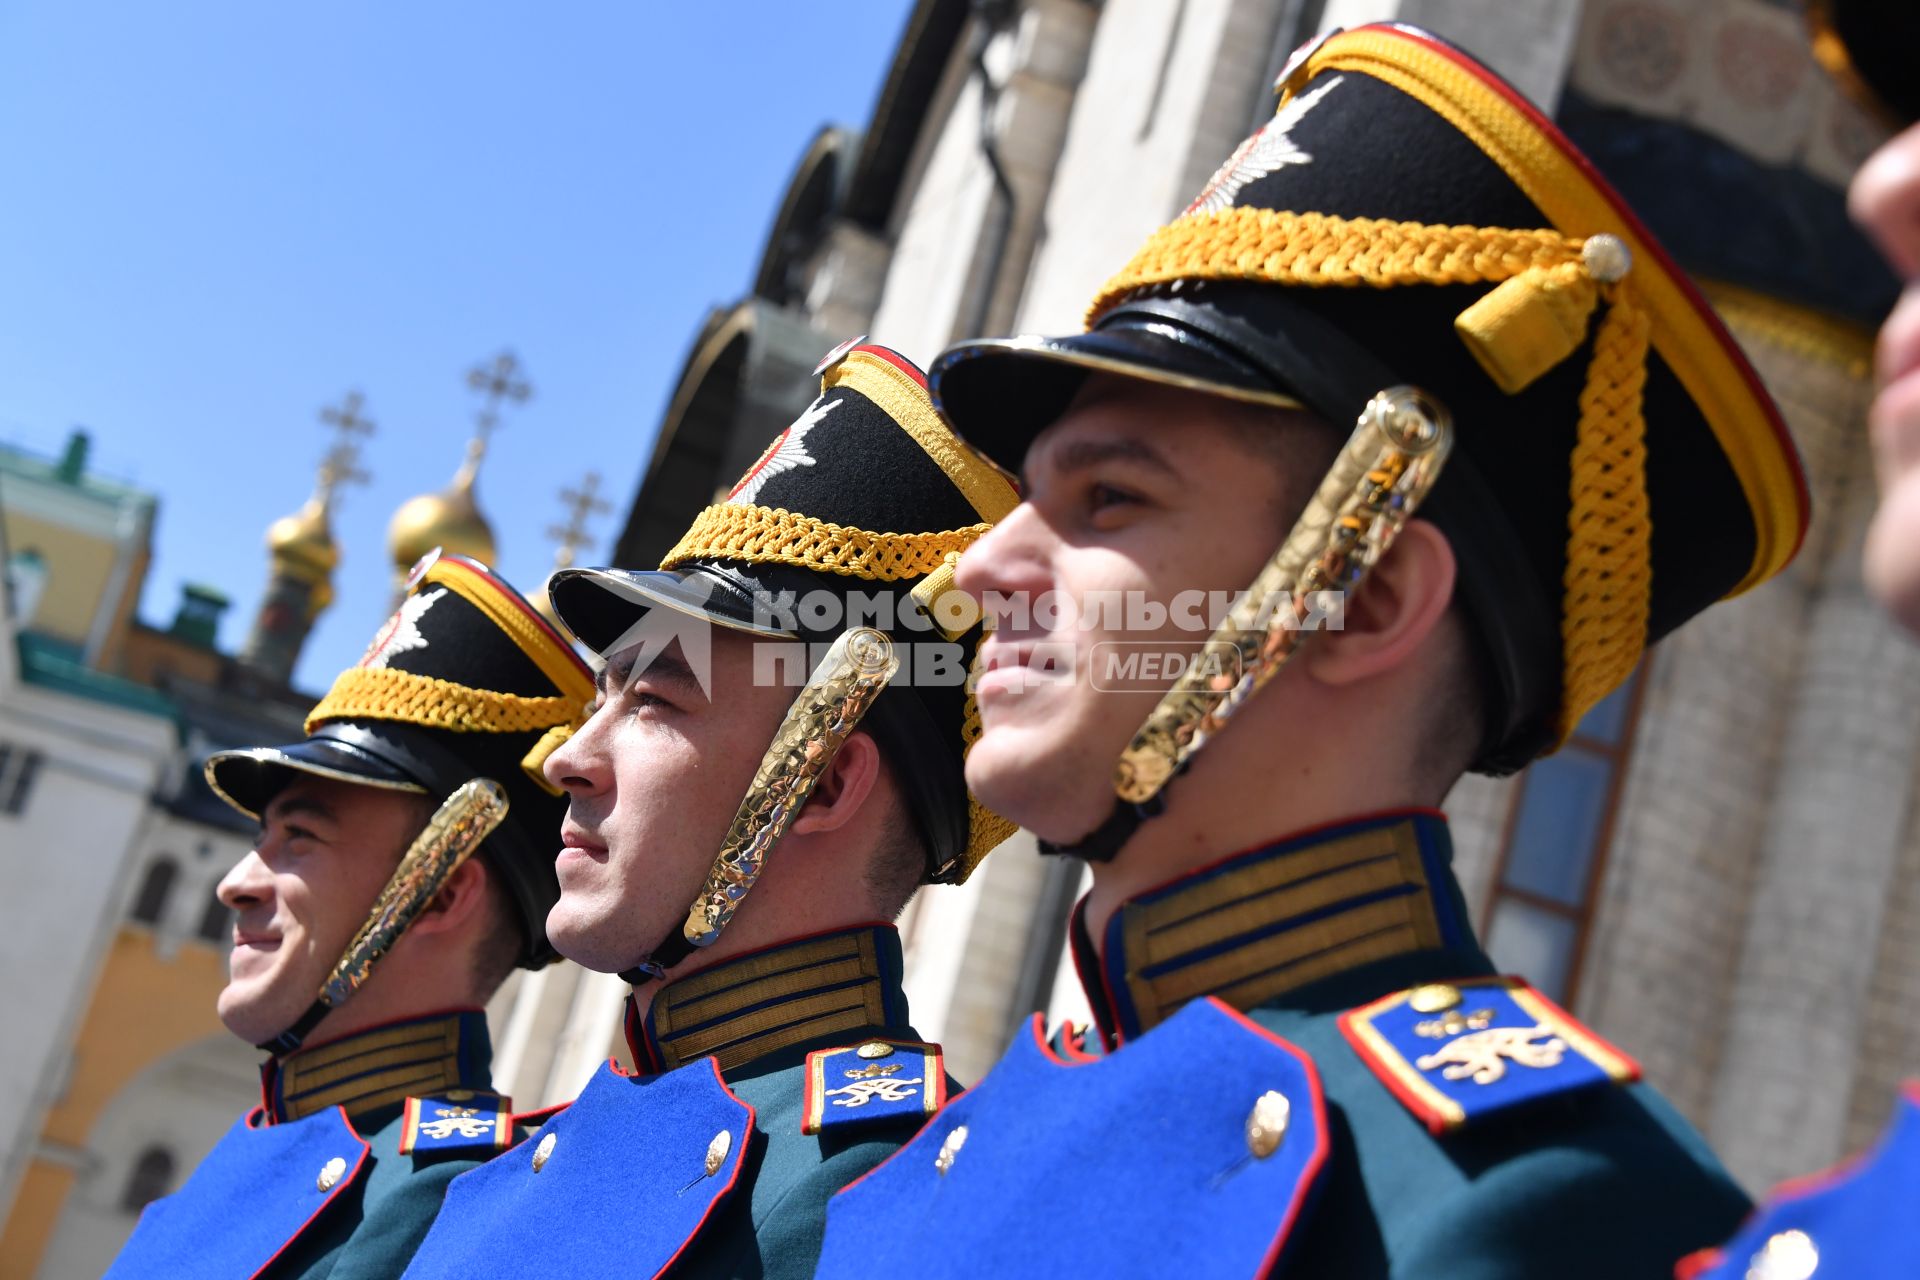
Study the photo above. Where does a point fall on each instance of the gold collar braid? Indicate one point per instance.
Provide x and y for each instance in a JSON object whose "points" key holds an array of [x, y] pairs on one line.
{"points": [[1548, 285]]}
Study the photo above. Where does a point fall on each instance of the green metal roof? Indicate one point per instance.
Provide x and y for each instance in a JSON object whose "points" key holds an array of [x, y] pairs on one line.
{"points": [[56, 664]]}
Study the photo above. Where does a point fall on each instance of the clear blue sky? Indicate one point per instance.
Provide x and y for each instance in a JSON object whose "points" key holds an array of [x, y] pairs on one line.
{"points": [[221, 216]]}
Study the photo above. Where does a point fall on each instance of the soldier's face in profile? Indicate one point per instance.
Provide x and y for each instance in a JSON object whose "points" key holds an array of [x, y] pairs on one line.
{"points": [[652, 780], [1139, 493], [324, 852], [1885, 199]]}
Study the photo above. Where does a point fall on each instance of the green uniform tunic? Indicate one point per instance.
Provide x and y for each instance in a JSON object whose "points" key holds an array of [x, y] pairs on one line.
{"points": [[332, 1175], [766, 1084], [1309, 1069]]}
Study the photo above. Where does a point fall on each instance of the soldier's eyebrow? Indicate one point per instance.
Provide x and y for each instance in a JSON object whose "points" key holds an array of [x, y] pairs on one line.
{"points": [[1082, 455], [666, 667], [284, 806]]}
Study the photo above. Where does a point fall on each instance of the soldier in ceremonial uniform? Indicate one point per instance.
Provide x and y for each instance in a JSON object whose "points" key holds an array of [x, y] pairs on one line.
{"points": [[1405, 292], [362, 888], [1856, 1220], [776, 1058]]}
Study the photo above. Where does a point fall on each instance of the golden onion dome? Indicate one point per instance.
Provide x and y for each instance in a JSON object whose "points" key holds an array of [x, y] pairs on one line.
{"points": [[302, 543], [449, 520]]}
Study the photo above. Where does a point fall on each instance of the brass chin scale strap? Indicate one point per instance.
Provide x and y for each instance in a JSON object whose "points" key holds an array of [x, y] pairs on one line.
{"points": [[450, 837], [842, 688], [1386, 468]]}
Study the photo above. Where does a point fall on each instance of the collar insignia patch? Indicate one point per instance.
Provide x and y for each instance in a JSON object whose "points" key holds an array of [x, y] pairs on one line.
{"points": [[1458, 1052], [464, 1120], [874, 1080]]}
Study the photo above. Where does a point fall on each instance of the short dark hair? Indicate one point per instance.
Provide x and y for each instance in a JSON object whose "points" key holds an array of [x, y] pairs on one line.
{"points": [[898, 866], [504, 941]]}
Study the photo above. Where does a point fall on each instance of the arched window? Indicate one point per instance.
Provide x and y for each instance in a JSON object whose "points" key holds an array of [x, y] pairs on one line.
{"points": [[215, 921], [151, 903], [152, 1177]]}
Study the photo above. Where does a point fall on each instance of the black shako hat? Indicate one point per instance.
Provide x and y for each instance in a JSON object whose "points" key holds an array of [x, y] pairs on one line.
{"points": [[465, 680], [1408, 218], [1872, 47], [866, 494]]}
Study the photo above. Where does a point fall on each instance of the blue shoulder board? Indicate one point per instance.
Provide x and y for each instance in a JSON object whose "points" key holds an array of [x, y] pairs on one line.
{"points": [[1856, 1221], [859, 1084], [1458, 1052], [470, 1121]]}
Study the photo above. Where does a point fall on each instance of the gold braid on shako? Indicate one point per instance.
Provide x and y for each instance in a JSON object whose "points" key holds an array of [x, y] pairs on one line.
{"points": [[460, 698], [868, 492], [1409, 245]]}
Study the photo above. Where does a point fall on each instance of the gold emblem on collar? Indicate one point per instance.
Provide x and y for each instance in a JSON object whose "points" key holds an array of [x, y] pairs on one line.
{"points": [[1483, 1055], [1434, 997]]}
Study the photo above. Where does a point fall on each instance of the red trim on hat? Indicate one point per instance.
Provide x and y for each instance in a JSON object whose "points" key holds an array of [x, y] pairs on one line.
{"points": [[1553, 134], [519, 601], [895, 359]]}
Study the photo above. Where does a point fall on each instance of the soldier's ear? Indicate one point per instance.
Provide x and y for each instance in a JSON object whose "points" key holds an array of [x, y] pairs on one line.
{"points": [[849, 782], [1393, 614], [461, 899]]}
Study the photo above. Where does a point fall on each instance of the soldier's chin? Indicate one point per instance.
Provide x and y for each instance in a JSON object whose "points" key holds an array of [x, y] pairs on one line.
{"points": [[1025, 775], [1891, 561], [591, 938], [256, 1010]]}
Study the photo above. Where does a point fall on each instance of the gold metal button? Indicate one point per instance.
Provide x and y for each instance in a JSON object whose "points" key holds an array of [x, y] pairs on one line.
{"points": [[875, 1049], [1434, 997], [717, 1151], [543, 1152], [1267, 1123], [330, 1174], [950, 1148], [1789, 1255], [458, 1095]]}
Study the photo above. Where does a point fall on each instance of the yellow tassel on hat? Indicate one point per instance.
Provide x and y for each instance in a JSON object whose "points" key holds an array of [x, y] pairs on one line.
{"points": [[1532, 321], [952, 610], [1527, 325]]}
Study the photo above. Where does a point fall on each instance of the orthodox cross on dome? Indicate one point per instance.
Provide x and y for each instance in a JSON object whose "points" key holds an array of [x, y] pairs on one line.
{"points": [[341, 462], [581, 505], [497, 383]]}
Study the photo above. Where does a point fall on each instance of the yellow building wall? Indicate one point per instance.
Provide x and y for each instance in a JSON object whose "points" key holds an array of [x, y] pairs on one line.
{"points": [[78, 566], [143, 1009]]}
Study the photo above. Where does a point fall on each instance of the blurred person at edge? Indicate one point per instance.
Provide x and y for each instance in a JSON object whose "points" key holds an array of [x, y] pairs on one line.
{"points": [[1855, 1220]]}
